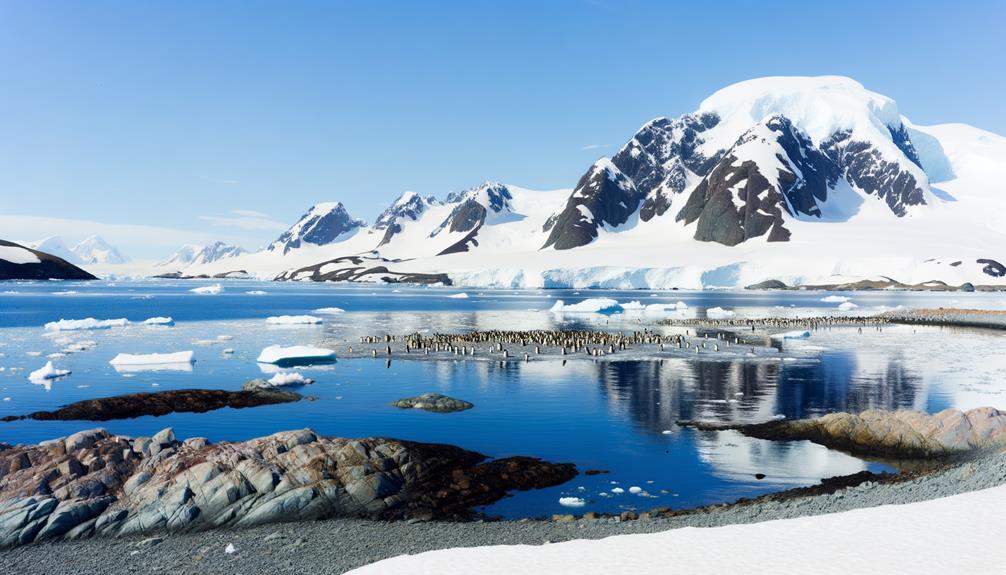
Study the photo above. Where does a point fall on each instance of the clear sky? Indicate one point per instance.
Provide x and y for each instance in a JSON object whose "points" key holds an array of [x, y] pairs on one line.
{"points": [[230, 118]]}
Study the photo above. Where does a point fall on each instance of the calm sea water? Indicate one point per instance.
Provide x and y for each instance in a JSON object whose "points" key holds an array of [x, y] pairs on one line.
{"points": [[616, 416]]}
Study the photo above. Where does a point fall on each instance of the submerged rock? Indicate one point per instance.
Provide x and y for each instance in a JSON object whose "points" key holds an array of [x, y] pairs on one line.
{"points": [[433, 402], [97, 484], [162, 403], [895, 434]]}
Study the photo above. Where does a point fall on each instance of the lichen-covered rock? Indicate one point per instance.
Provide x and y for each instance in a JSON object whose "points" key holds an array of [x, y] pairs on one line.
{"points": [[92, 483], [433, 402]]}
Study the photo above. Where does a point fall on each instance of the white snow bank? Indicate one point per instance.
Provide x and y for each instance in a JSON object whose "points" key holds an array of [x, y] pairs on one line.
{"points": [[293, 320], [329, 310], [47, 372], [835, 299], [591, 305], [88, 323], [804, 334], [847, 305], [719, 313], [572, 502], [958, 534], [128, 359], [461, 295], [208, 290], [159, 320], [18, 255], [278, 354]]}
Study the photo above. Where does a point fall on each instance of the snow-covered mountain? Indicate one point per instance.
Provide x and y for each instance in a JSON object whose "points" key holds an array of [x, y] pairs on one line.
{"points": [[54, 245], [95, 250], [191, 254], [323, 224], [807, 180]]}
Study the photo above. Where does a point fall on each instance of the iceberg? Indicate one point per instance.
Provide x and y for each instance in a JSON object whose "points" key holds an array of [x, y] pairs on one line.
{"points": [[295, 355], [129, 362], [208, 290], [46, 373], [329, 310], [799, 334], [461, 295], [88, 323], [591, 305], [159, 321], [293, 320], [289, 378], [719, 313]]}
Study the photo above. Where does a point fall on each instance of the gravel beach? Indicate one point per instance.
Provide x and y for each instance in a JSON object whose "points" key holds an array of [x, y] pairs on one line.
{"points": [[337, 546]]}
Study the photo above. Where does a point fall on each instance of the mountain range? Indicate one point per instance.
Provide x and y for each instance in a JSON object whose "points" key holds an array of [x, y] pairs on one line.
{"points": [[801, 180]]}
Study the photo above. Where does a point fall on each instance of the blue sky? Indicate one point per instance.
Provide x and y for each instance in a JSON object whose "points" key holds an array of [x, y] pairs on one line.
{"points": [[176, 114]]}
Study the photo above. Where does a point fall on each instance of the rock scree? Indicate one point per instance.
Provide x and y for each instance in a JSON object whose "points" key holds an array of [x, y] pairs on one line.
{"points": [[93, 483], [433, 402], [892, 434]]}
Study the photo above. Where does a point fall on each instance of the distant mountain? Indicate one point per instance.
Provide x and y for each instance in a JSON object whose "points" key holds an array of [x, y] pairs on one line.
{"points": [[54, 245], [798, 180], [321, 225], [95, 250], [193, 255], [18, 262]]}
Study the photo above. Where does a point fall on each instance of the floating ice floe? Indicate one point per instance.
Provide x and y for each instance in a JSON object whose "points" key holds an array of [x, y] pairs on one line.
{"points": [[87, 323], [571, 502], [635, 490], [289, 378], [256, 292], [159, 321], [719, 313], [799, 334], [617, 490], [461, 295], [602, 305], [79, 346], [46, 374], [133, 362], [295, 355], [847, 305], [293, 320], [329, 310], [835, 299], [208, 290]]}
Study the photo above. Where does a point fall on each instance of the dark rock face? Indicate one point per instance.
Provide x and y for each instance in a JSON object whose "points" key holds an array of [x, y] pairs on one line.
{"points": [[476, 206], [321, 225], [95, 484], [604, 196], [660, 155], [768, 284], [992, 268], [737, 201], [360, 268], [49, 267], [433, 402], [865, 167], [161, 403], [409, 206]]}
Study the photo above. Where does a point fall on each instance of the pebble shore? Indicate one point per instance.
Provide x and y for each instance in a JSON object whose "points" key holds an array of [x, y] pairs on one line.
{"points": [[336, 546]]}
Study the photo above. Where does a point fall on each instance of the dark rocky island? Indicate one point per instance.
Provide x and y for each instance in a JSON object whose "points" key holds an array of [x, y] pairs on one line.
{"points": [[42, 267]]}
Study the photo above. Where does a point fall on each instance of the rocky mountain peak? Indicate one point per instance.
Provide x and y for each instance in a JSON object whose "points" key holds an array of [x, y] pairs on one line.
{"points": [[321, 225]]}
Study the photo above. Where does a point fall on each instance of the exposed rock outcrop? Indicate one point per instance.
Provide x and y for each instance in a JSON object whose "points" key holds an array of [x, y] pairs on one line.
{"points": [[93, 483], [162, 403], [360, 268], [891, 434], [604, 196], [433, 402]]}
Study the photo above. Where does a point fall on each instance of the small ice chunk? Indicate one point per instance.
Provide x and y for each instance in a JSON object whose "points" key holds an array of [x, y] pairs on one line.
{"points": [[208, 290], [87, 323], [835, 299], [289, 378], [719, 313], [136, 359], [847, 305], [618, 490], [159, 320], [256, 292], [329, 310], [635, 490], [279, 355], [571, 502], [461, 295], [799, 334], [230, 549], [47, 372]]}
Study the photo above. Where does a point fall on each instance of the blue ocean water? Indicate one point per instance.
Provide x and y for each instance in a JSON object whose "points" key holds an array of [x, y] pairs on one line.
{"points": [[613, 416]]}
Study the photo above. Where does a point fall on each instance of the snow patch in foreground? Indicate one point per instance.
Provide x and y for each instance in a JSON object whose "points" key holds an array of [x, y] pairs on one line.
{"points": [[591, 305], [886, 539], [18, 255], [293, 320], [208, 290], [278, 354], [87, 323]]}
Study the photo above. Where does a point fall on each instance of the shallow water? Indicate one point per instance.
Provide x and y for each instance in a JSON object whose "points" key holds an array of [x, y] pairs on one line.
{"points": [[616, 416]]}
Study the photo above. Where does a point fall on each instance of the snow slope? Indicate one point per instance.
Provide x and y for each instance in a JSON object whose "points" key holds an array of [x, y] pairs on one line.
{"points": [[95, 250], [958, 534]]}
